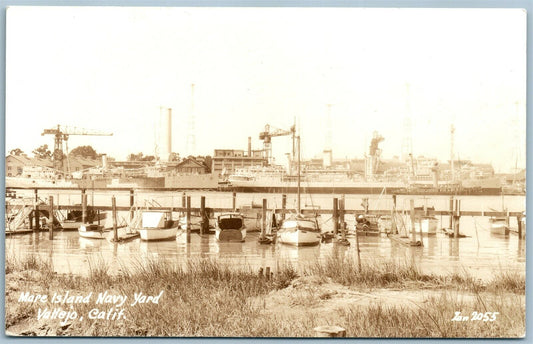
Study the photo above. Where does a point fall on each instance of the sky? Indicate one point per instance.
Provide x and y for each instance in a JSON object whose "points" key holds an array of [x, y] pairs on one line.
{"points": [[112, 69]]}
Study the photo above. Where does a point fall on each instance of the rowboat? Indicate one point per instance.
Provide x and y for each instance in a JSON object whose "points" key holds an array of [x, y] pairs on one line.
{"points": [[93, 231]]}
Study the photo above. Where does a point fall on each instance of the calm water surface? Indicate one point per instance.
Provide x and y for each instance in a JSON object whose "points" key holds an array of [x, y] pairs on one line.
{"points": [[481, 253]]}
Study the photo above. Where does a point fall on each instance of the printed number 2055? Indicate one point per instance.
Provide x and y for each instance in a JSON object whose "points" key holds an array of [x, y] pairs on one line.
{"points": [[487, 316]]}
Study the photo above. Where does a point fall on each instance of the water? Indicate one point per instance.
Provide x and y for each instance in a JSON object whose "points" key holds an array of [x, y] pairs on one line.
{"points": [[481, 253]]}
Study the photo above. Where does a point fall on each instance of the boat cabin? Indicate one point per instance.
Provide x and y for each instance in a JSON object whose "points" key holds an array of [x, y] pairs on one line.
{"points": [[230, 221]]}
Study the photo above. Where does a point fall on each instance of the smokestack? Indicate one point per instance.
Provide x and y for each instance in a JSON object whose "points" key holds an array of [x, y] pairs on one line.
{"points": [[104, 162], [169, 132], [249, 146]]}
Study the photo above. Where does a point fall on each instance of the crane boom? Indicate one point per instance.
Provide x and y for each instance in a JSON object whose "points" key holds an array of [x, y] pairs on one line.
{"points": [[271, 132], [61, 133]]}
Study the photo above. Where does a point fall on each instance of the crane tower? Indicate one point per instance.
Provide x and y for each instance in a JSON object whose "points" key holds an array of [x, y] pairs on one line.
{"points": [[61, 134]]}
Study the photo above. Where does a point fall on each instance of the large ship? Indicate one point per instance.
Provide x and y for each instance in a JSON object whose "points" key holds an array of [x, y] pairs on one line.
{"points": [[275, 180]]}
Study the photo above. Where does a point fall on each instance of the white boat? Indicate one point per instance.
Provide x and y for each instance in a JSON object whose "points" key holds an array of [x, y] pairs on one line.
{"points": [[157, 225], [299, 231], [385, 223], [93, 231], [429, 225], [230, 227], [499, 225]]}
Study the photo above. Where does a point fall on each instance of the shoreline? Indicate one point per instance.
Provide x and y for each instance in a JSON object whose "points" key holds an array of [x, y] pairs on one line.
{"points": [[208, 298]]}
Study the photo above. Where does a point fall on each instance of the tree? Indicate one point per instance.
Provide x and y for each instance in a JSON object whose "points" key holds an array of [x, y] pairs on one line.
{"points": [[42, 152], [135, 157], [16, 151], [84, 152]]}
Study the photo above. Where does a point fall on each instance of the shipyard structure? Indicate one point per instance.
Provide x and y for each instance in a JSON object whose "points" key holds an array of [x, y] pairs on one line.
{"points": [[254, 170]]}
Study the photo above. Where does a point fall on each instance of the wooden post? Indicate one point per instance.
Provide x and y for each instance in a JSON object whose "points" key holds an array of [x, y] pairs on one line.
{"points": [[451, 215], [393, 215], [267, 273], [114, 208], [456, 220], [329, 331], [342, 218], [188, 205], [357, 247], [183, 201], [283, 205], [413, 234], [520, 229], [263, 219], [36, 192], [188, 218], [234, 201], [335, 216], [204, 224], [132, 202], [37, 217], [420, 228], [84, 208], [51, 219]]}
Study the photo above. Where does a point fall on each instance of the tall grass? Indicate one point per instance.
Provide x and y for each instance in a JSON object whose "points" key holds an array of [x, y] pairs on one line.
{"points": [[205, 297]]}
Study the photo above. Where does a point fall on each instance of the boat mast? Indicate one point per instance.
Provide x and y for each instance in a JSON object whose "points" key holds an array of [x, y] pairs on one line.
{"points": [[299, 208]]}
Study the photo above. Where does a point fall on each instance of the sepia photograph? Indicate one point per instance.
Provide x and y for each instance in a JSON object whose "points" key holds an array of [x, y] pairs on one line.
{"points": [[265, 172]]}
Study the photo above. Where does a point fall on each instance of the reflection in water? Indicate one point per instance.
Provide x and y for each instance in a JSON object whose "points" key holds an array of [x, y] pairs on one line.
{"points": [[479, 253]]}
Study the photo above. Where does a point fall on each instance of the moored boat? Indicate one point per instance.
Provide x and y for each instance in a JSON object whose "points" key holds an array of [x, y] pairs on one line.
{"points": [[427, 225], [366, 225], [93, 231], [499, 225], [230, 227], [157, 225], [299, 231]]}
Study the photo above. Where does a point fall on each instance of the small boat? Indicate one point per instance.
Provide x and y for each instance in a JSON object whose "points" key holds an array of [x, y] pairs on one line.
{"points": [[157, 225], [93, 231], [499, 225], [299, 231], [230, 227], [366, 225], [428, 224], [385, 223], [73, 220]]}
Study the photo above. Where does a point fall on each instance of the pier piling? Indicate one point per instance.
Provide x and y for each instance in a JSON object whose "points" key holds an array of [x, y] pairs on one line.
{"points": [[335, 216], [520, 229], [36, 192], [84, 207], [263, 220], [342, 217], [413, 233], [188, 219], [204, 224], [393, 215], [114, 212], [234, 201], [132, 202], [452, 222], [36, 216], [51, 219], [283, 205]]}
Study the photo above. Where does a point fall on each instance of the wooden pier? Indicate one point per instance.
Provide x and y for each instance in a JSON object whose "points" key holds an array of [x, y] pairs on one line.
{"points": [[338, 212]]}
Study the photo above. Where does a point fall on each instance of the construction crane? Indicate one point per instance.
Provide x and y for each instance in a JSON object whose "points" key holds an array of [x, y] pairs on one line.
{"points": [[375, 153], [271, 132], [62, 133]]}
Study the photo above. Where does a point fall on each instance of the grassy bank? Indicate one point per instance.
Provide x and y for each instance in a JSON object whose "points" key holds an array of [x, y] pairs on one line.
{"points": [[209, 298]]}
